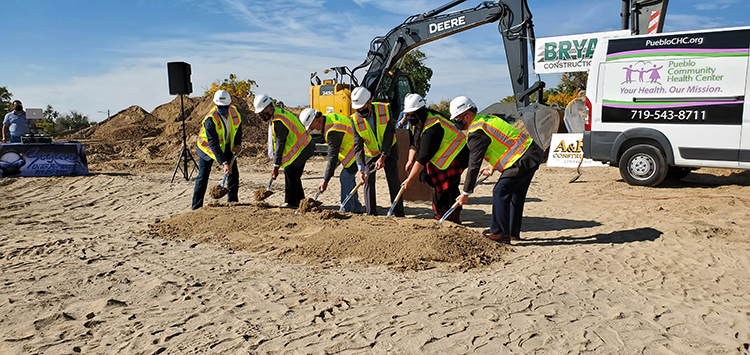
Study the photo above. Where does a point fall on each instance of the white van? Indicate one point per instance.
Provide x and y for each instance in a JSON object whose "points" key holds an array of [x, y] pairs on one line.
{"points": [[661, 105]]}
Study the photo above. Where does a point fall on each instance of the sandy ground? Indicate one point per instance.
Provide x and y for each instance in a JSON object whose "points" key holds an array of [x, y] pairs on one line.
{"points": [[603, 268]]}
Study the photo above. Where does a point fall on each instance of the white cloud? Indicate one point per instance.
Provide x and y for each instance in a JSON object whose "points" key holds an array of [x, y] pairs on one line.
{"points": [[284, 43], [715, 5]]}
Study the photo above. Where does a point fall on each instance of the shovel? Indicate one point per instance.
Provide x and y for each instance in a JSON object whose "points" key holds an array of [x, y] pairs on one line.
{"points": [[348, 197], [219, 192], [450, 210], [261, 194], [395, 201], [578, 171]]}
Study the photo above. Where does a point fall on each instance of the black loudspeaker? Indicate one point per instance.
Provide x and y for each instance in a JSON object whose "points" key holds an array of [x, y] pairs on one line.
{"points": [[179, 78]]}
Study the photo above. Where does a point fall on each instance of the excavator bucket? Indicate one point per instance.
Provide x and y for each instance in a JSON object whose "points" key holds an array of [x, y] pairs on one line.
{"points": [[540, 122]]}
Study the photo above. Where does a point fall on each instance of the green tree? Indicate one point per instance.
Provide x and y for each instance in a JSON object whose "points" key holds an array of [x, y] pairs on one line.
{"points": [[47, 123], [443, 107], [5, 101], [73, 120], [238, 88], [413, 64]]}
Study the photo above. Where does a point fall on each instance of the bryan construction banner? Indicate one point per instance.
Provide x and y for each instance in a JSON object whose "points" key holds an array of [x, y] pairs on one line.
{"points": [[569, 53]]}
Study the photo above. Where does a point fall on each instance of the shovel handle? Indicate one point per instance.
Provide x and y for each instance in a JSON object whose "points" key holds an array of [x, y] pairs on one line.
{"points": [[316, 195], [450, 210], [348, 197], [268, 188], [224, 181], [481, 179], [395, 201]]}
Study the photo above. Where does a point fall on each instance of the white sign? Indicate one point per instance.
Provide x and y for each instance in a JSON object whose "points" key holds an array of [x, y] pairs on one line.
{"points": [[566, 151], [670, 77], [569, 53]]}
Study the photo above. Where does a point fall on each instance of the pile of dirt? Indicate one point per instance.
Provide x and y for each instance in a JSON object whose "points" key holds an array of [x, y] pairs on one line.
{"points": [[308, 204], [400, 243], [262, 194], [218, 192], [136, 139]]}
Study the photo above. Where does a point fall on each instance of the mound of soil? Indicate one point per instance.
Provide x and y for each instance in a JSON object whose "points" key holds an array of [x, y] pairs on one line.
{"points": [[400, 243], [218, 192], [308, 204], [330, 214], [262, 194], [136, 139]]}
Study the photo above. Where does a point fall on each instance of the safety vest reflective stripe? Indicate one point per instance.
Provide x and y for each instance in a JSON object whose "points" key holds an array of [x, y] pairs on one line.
{"points": [[493, 132], [508, 143], [220, 130], [339, 127], [517, 150], [296, 148], [382, 112], [340, 123], [373, 137], [297, 138], [453, 141]]}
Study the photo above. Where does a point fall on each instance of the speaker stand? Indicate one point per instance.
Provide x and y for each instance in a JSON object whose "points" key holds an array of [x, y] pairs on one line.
{"points": [[185, 155]]}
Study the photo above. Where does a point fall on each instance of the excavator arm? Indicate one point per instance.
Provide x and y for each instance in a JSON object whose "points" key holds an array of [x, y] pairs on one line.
{"points": [[514, 24]]}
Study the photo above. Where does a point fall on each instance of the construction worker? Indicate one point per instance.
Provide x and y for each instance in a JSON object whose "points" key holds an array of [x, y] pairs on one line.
{"points": [[439, 148], [506, 149], [375, 145], [289, 147], [338, 134], [219, 139]]}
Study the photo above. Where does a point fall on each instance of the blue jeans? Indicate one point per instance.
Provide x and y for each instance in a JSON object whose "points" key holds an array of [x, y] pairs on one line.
{"points": [[201, 182], [15, 139], [348, 182]]}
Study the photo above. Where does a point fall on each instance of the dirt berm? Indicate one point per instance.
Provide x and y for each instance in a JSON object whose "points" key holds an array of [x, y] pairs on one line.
{"points": [[400, 243]]}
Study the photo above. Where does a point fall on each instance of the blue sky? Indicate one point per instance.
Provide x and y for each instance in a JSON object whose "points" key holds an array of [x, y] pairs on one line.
{"points": [[99, 55]]}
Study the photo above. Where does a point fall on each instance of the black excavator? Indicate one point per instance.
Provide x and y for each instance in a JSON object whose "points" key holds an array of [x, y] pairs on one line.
{"points": [[382, 62], [514, 23]]}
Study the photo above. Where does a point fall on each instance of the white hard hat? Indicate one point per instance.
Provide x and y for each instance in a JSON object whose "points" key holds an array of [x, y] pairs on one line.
{"points": [[307, 116], [459, 105], [413, 102], [261, 102], [360, 96], [222, 98]]}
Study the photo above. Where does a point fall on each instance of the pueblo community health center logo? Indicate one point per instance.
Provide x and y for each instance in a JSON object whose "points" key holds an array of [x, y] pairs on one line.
{"points": [[641, 72]]}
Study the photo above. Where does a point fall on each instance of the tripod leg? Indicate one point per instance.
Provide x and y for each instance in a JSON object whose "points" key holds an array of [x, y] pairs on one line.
{"points": [[178, 165]]}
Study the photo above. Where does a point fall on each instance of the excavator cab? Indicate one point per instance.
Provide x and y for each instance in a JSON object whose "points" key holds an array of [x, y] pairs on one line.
{"points": [[333, 95], [395, 94]]}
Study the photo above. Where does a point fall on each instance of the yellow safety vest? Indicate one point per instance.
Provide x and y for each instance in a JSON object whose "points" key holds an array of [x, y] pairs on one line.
{"points": [[508, 143], [340, 123], [453, 141], [234, 125], [297, 138], [372, 139]]}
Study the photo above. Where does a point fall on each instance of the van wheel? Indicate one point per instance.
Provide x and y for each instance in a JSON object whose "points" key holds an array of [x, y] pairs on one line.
{"points": [[677, 173], [643, 165]]}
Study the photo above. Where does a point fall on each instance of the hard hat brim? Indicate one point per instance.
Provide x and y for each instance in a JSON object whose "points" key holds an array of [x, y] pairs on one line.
{"points": [[357, 106]]}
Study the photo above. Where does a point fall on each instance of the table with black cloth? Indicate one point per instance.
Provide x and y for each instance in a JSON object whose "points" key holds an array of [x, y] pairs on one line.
{"points": [[42, 159]]}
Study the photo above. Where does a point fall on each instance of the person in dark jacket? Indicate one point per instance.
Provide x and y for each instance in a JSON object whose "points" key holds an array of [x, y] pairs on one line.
{"points": [[507, 150], [338, 134], [438, 148], [219, 139], [289, 147]]}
